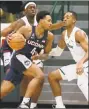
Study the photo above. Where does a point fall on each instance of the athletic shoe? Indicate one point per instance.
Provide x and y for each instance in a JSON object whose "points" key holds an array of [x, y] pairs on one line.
{"points": [[24, 106], [57, 107]]}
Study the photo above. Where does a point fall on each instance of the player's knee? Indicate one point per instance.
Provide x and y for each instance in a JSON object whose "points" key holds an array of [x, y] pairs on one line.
{"points": [[3, 93], [6, 87], [52, 76], [41, 77]]}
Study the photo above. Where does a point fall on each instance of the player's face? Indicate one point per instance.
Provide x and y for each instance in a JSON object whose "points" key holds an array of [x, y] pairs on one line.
{"points": [[68, 19], [47, 22], [31, 10]]}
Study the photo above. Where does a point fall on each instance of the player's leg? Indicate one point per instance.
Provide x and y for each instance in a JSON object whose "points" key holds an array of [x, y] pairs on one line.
{"points": [[64, 73], [82, 81], [33, 85], [10, 81], [6, 87], [54, 80], [24, 84], [36, 95], [23, 64], [23, 87]]}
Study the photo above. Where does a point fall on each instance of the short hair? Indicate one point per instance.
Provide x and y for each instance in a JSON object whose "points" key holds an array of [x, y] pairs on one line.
{"points": [[41, 15], [74, 14]]}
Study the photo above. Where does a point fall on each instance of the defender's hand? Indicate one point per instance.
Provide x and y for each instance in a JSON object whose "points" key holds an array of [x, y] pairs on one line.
{"points": [[35, 57], [79, 68]]}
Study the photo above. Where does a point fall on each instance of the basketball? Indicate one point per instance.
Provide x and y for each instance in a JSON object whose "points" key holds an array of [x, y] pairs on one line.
{"points": [[17, 41]]}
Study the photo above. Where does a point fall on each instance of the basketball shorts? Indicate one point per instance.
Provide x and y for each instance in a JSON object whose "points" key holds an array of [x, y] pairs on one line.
{"points": [[69, 72], [13, 76], [19, 64]]}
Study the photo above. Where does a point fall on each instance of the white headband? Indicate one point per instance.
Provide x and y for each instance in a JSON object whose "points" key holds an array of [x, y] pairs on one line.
{"points": [[29, 3]]}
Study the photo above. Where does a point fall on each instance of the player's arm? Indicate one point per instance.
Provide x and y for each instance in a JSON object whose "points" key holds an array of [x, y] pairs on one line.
{"points": [[57, 25], [82, 39], [25, 31], [49, 43], [60, 47], [12, 28]]}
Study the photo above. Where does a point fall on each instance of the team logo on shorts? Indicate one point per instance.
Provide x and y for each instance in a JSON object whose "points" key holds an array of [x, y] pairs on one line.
{"points": [[26, 62], [6, 61]]}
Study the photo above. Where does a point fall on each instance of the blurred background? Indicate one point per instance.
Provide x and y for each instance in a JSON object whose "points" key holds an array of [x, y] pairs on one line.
{"points": [[13, 10]]}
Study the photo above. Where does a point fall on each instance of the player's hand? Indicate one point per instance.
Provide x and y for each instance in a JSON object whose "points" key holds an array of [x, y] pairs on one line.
{"points": [[79, 68], [10, 36], [35, 57], [63, 23]]}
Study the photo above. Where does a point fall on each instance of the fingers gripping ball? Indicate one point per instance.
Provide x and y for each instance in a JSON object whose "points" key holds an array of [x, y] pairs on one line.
{"points": [[17, 41]]}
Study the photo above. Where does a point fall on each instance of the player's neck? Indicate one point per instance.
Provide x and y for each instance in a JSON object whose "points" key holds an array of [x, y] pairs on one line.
{"points": [[30, 19], [39, 31], [70, 28]]}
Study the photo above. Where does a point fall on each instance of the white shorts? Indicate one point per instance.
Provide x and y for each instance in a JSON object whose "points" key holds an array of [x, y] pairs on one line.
{"points": [[7, 58], [69, 72]]}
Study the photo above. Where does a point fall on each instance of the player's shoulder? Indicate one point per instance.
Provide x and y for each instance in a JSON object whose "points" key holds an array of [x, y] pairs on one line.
{"points": [[80, 35], [50, 33], [80, 32]]}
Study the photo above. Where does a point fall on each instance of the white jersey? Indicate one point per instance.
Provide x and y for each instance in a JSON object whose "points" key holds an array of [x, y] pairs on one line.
{"points": [[74, 47], [27, 23]]}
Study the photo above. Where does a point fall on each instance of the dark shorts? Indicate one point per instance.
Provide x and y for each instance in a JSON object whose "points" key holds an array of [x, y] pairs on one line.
{"points": [[14, 76], [20, 63]]}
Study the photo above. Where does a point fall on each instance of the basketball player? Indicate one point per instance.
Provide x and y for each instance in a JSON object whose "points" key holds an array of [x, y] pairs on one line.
{"points": [[29, 19], [14, 27], [37, 38], [77, 42]]}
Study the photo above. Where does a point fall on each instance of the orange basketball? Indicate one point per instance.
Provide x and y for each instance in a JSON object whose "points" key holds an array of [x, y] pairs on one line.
{"points": [[17, 41]]}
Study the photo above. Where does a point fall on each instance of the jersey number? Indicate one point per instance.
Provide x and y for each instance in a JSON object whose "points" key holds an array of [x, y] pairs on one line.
{"points": [[33, 51]]}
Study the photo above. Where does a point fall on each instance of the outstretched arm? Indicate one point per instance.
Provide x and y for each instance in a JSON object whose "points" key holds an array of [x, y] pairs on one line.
{"points": [[60, 47], [12, 28], [57, 25]]}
